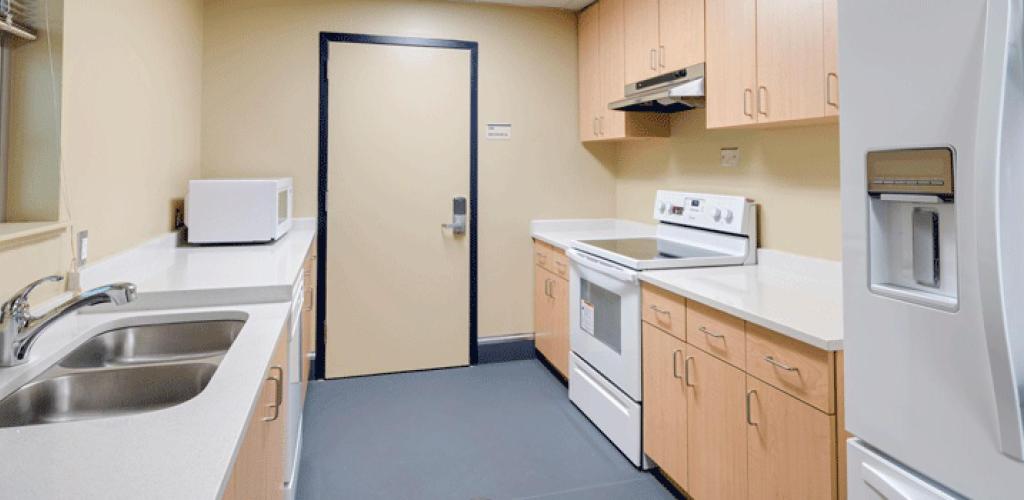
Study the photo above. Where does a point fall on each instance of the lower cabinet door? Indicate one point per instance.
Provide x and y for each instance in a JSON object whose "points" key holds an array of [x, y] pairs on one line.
{"points": [[716, 428], [559, 325], [664, 395], [791, 446], [542, 306], [551, 318]]}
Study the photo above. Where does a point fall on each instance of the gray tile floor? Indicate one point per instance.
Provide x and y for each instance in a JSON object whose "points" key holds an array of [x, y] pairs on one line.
{"points": [[488, 432]]}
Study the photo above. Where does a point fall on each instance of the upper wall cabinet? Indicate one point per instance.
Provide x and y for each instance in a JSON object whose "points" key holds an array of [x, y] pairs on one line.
{"points": [[771, 61], [662, 36], [602, 78]]}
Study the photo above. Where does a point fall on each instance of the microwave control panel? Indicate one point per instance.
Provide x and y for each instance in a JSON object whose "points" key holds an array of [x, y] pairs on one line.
{"points": [[707, 211]]}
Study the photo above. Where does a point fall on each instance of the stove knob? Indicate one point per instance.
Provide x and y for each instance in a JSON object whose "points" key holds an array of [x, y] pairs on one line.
{"points": [[717, 214], [728, 216], [662, 207]]}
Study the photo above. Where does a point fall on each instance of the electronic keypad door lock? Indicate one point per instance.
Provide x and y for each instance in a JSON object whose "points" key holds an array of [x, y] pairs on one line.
{"points": [[458, 225]]}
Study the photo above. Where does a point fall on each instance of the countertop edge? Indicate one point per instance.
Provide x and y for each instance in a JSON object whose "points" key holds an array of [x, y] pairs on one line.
{"points": [[795, 334]]}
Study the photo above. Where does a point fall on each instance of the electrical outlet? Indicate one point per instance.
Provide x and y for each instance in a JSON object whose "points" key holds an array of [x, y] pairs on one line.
{"points": [[83, 246], [730, 157], [178, 205]]}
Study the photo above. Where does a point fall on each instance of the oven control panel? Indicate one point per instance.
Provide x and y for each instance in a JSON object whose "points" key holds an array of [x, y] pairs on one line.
{"points": [[708, 211]]}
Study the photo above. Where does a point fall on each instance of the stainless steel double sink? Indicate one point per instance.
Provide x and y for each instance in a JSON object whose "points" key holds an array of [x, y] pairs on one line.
{"points": [[122, 371]]}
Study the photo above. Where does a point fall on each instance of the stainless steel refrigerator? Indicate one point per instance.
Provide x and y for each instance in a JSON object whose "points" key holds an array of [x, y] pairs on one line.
{"points": [[932, 160]]}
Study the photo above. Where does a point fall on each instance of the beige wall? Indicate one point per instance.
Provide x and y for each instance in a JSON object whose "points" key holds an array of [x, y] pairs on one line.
{"points": [[131, 124], [260, 88], [34, 152], [792, 173], [130, 127]]}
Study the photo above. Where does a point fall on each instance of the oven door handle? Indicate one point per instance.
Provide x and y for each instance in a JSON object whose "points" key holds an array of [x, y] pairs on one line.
{"points": [[602, 266]]}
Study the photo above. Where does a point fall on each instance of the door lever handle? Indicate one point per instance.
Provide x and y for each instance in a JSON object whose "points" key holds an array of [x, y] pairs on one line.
{"points": [[458, 225]]}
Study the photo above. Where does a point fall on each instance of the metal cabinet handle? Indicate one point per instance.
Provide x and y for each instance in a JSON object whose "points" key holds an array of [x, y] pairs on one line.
{"points": [[311, 355], [654, 59], [748, 95], [828, 90], [675, 363], [709, 333], [658, 310], [686, 371], [595, 127], [278, 393], [600, 125], [750, 421], [661, 56], [309, 302], [762, 100], [778, 364]]}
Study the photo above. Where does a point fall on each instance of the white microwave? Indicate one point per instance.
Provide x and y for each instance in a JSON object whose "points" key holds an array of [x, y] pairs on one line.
{"points": [[238, 210]]}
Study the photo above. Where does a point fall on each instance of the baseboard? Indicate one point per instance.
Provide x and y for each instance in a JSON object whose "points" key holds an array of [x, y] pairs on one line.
{"points": [[503, 348]]}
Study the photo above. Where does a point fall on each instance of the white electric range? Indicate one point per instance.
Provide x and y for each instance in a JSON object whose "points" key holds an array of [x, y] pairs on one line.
{"points": [[694, 230]]}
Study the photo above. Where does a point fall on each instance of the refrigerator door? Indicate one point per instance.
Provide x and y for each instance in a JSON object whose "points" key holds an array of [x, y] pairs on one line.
{"points": [[873, 477], [919, 383], [1000, 195]]}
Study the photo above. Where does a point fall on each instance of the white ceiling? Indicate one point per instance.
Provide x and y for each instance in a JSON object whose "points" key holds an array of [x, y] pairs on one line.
{"points": [[559, 4]]}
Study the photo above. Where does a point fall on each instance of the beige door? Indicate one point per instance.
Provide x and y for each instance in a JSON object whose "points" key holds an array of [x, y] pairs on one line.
{"points": [[397, 283]]}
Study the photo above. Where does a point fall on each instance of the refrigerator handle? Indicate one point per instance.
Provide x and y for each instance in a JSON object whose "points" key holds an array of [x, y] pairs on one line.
{"points": [[998, 182]]}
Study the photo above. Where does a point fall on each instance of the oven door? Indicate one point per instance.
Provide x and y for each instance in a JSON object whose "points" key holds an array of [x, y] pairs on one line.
{"points": [[604, 319]]}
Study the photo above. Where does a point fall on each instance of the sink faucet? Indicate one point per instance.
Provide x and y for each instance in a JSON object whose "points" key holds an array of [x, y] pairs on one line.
{"points": [[19, 329]]}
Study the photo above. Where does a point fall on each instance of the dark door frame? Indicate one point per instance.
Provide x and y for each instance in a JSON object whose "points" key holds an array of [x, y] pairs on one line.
{"points": [[326, 38]]}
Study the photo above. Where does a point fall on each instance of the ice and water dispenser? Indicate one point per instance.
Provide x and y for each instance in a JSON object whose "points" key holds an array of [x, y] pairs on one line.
{"points": [[912, 225]]}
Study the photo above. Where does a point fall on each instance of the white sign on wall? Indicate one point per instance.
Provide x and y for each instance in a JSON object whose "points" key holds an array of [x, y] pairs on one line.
{"points": [[499, 131]]}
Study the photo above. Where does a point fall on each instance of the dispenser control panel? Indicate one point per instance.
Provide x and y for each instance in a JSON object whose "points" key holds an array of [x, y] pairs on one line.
{"points": [[926, 171]]}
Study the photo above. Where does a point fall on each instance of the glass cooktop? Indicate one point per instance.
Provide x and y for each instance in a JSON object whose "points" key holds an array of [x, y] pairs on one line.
{"points": [[652, 249]]}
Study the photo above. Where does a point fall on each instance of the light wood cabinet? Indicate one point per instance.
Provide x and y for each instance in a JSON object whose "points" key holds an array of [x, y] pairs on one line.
{"points": [[771, 62], [790, 60], [589, 72], [731, 66], [716, 333], [792, 366], [664, 310], [662, 36], [602, 78], [791, 446], [308, 318], [717, 434], [551, 309], [642, 41], [258, 471], [757, 417], [831, 41], [681, 30], [664, 396]]}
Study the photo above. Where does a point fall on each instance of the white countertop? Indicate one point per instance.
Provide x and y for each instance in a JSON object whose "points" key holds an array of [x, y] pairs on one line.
{"points": [[170, 273], [184, 451], [797, 296], [800, 297]]}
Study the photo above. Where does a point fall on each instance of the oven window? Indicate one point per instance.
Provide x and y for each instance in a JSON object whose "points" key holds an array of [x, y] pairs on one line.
{"points": [[607, 314], [282, 205]]}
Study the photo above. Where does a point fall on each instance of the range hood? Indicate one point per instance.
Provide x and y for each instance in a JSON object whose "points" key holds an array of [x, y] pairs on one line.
{"points": [[680, 90]]}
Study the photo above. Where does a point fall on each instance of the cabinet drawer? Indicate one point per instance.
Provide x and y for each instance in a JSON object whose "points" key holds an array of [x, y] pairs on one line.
{"points": [[716, 333], [805, 372], [559, 262], [664, 310], [542, 255]]}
